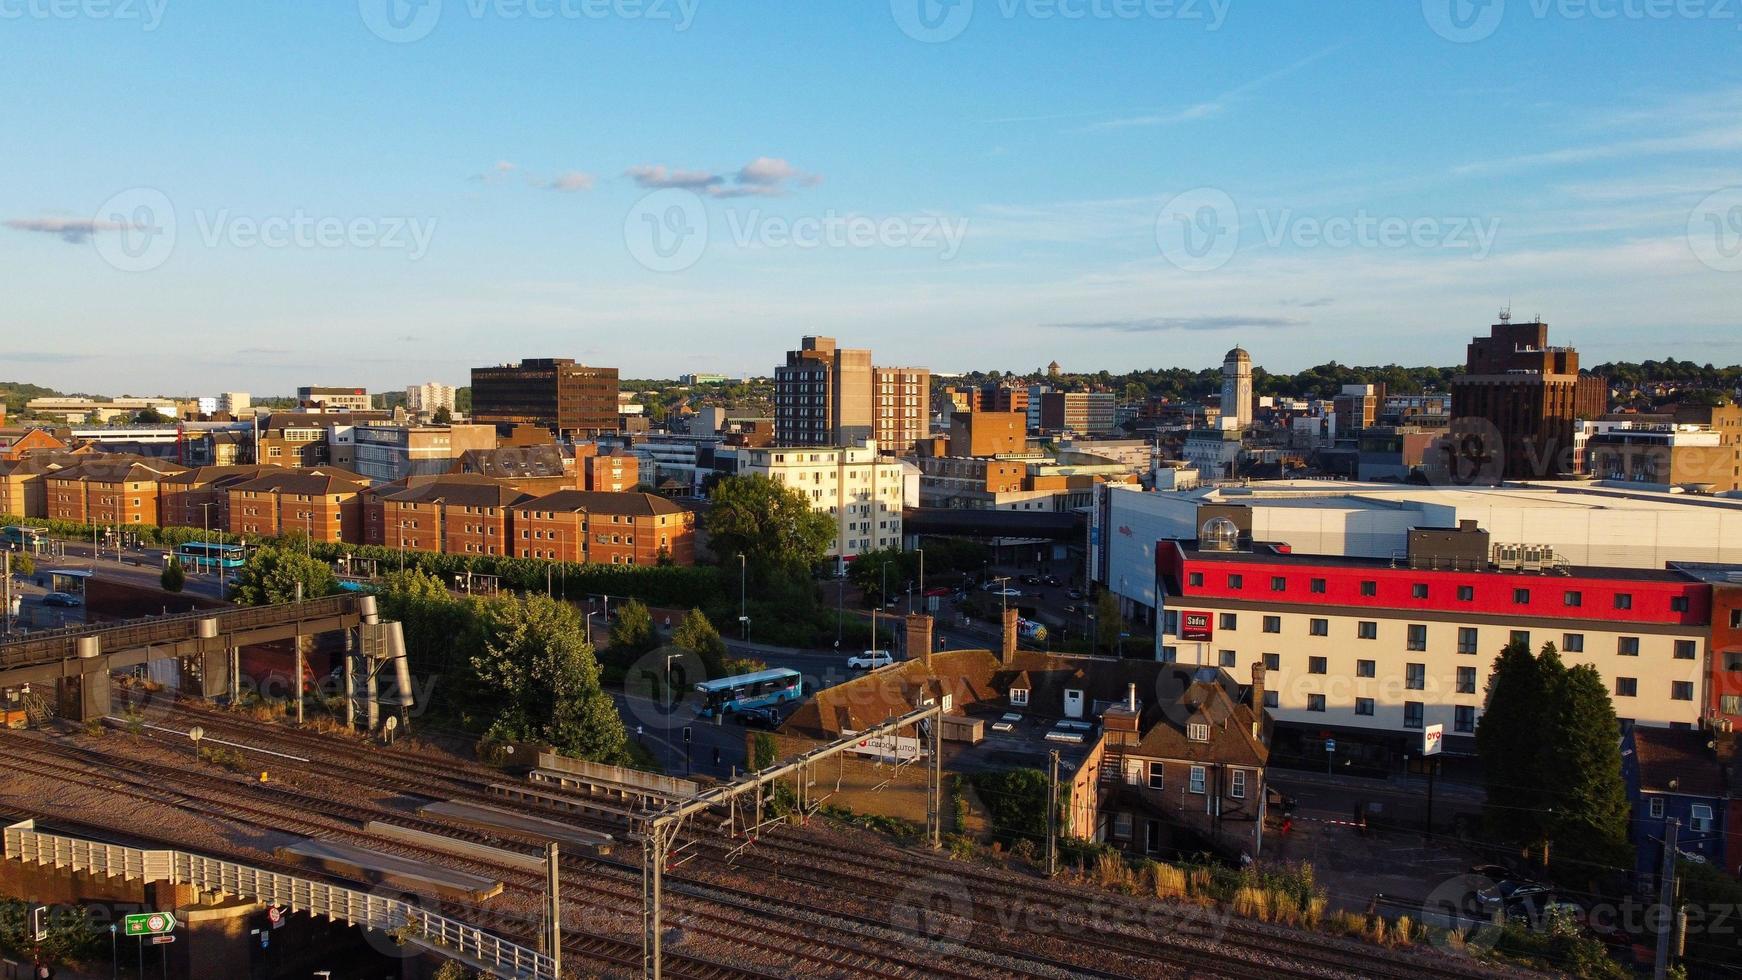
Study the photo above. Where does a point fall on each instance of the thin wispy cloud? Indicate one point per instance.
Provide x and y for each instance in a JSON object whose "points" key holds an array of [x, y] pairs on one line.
{"points": [[499, 171], [761, 177], [1706, 123], [1194, 324], [1213, 107], [73, 231], [569, 182]]}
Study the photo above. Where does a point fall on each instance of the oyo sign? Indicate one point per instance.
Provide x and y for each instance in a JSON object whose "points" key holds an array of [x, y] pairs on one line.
{"points": [[1196, 626], [1431, 738]]}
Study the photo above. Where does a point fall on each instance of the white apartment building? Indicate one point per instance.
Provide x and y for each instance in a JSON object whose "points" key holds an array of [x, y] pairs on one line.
{"points": [[860, 489], [427, 398]]}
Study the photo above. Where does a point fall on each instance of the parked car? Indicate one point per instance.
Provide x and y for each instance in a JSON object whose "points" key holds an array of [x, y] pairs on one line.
{"points": [[870, 660], [757, 718], [66, 599], [1510, 894], [1028, 579], [1052, 580], [1076, 594]]}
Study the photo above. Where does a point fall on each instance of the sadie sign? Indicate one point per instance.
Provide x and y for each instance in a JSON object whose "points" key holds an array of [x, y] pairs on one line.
{"points": [[1196, 626]]}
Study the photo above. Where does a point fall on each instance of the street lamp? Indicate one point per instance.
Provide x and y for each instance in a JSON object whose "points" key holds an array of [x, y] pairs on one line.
{"points": [[590, 626], [743, 597]]}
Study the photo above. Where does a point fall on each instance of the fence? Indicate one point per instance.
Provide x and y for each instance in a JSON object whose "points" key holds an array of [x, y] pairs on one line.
{"points": [[437, 933]]}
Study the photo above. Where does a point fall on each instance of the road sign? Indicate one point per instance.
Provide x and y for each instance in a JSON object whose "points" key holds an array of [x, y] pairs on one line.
{"points": [[1431, 737], [39, 923], [275, 915], [161, 940], [149, 924], [1330, 745]]}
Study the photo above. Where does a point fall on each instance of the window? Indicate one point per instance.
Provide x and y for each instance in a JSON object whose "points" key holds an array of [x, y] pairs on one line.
{"points": [[1466, 593], [1464, 719], [1198, 732], [1418, 590], [1122, 825], [1227, 659], [1626, 687], [1170, 622], [1273, 624], [1366, 668], [1412, 714], [1520, 636], [1169, 655], [1733, 661], [1521, 597], [1319, 627], [1228, 621], [1369, 588], [1730, 704], [1198, 780], [1156, 772], [1623, 600], [1681, 690], [1700, 815], [1466, 680], [1627, 646], [1657, 807], [1318, 586], [1417, 636], [1315, 702], [1195, 579], [1237, 784], [1684, 649], [1364, 706], [1367, 630], [1573, 643], [1316, 665], [1273, 661], [1678, 603], [1278, 583], [1573, 600], [1415, 677], [1236, 581], [1467, 639]]}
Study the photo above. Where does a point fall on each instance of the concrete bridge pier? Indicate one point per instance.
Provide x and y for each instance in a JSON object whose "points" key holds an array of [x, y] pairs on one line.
{"points": [[84, 696]]}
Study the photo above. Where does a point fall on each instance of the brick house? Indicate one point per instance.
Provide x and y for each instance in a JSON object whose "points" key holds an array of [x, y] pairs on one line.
{"points": [[24, 482], [113, 491], [458, 515], [604, 528], [324, 504], [200, 497]]}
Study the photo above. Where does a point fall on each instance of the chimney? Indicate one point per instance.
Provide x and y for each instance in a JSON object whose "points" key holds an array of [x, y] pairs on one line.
{"points": [[1008, 654], [1258, 687], [919, 643], [1131, 696]]}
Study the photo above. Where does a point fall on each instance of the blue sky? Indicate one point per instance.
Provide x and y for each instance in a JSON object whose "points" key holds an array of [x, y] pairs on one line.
{"points": [[199, 195]]}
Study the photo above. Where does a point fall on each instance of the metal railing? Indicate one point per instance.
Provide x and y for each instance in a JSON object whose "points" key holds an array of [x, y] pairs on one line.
{"points": [[43, 648], [434, 932]]}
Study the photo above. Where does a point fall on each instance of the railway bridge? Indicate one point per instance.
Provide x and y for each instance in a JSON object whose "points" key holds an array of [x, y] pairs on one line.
{"points": [[206, 644]]}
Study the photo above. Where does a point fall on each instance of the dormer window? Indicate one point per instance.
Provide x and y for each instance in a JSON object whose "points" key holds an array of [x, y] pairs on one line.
{"points": [[1019, 695], [1198, 732]]}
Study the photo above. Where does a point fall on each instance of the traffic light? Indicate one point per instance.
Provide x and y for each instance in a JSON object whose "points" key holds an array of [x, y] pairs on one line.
{"points": [[686, 734]]}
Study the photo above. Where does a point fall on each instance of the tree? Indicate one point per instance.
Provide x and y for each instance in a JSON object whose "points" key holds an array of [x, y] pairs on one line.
{"points": [[152, 416], [174, 578], [23, 564], [697, 635], [272, 575], [868, 576], [632, 633], [1513, 727], [443, 416], [538, 680], [1582, 772], [1108, 623], [772, 525]]}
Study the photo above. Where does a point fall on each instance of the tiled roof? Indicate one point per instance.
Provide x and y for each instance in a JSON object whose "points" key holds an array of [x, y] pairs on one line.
{"points": [[512, 461], [594, 502], [461, 490], [314, 482], [1682, 756], [118, 469]]}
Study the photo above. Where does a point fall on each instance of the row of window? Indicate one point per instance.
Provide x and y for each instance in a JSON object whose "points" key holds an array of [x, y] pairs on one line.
{"points": [[1196, 778], [1699, 815], [1469, 637], [1570, 598]]}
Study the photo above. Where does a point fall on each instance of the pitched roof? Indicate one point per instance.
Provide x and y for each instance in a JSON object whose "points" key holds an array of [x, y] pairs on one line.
{"points": [[120, 468], [38, 463], [1666, 755], [312, 482], [201, 476], [512, 461], [598, 502], [454, 489]]}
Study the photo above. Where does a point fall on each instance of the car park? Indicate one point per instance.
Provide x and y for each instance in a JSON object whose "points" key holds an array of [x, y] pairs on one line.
{"points": [[870, 660]]}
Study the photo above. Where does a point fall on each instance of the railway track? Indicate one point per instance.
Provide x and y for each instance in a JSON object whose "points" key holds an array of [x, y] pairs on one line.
{"points": [[842, 868]]}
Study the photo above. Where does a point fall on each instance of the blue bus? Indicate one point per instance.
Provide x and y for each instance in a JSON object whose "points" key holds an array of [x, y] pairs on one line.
{"points": [[729, 695], [205, 556], [31, 539]]}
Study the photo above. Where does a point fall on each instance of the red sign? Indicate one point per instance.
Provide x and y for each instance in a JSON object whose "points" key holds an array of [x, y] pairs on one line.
{"points": [[1196, 626]]}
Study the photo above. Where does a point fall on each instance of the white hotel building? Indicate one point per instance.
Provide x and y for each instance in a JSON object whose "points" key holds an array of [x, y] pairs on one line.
{"points": [[860, 489]]}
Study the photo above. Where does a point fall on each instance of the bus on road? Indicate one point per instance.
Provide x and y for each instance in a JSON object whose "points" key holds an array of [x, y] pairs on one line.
{"points": [[17, 538], [205, 556], [763, 689]]}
